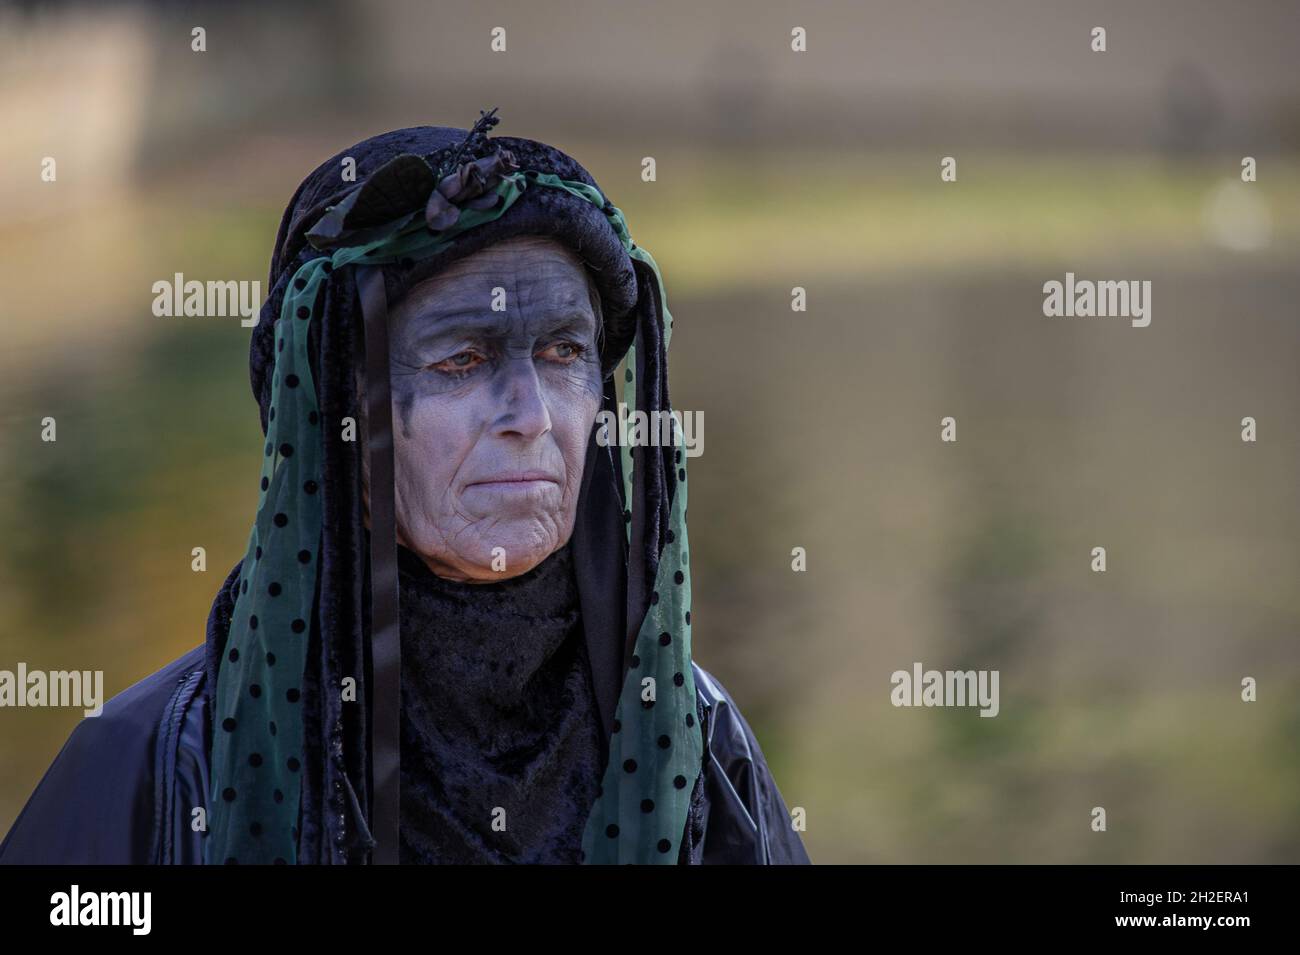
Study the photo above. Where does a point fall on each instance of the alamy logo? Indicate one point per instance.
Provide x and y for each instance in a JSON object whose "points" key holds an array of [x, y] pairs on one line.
{"points": [[946, 688], [208, 299], [84, 688], [1107, 299], [75, 907], [658, 429]]}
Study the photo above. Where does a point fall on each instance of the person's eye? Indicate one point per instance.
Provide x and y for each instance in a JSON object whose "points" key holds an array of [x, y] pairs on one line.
{"points": [[563, 352], [459, 363]]}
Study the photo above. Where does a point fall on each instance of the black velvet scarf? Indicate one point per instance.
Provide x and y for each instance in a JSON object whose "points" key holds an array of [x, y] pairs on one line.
{"points": [[501, 743]]}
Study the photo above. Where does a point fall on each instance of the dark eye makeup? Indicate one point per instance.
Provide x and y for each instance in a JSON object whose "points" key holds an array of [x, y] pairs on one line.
{"points": [[457, 365]]}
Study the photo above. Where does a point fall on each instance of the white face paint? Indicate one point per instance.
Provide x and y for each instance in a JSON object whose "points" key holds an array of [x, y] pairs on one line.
{"points": [[492, 410]]}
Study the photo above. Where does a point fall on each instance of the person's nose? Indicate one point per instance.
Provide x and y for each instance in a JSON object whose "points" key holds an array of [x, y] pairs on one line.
{"points": [[523, 410]]}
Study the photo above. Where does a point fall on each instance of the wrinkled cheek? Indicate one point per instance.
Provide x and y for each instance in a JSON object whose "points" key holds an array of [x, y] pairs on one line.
{"points": [[414, 518], [576, 434], [425, 469]]}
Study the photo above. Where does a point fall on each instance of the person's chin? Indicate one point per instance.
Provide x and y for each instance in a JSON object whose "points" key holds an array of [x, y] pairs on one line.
{"points": [[523, 543]]}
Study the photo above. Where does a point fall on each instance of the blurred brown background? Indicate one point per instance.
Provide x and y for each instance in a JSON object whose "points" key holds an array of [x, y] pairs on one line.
{"points": [[775, 170]]}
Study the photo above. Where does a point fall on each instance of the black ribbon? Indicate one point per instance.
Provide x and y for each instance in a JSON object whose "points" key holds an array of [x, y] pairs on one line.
{"points": [[385, 634]]}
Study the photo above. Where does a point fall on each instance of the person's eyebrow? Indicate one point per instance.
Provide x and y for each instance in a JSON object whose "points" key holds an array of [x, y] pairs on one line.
{"points": [[571, 319], [440, 323]]}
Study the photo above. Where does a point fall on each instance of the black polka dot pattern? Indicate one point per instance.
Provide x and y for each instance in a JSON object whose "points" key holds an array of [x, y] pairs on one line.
{"points": [[257, 694], [657, 750]]}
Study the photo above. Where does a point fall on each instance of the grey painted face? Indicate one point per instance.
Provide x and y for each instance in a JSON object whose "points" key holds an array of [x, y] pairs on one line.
{"points": [[492, 409]]}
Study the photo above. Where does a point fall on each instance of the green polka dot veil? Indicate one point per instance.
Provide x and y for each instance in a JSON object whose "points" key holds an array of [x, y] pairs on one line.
{"points": [[259, 733]]}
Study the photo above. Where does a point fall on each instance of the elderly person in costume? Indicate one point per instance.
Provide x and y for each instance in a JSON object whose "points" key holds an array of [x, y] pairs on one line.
{"points": [[461, 629]]}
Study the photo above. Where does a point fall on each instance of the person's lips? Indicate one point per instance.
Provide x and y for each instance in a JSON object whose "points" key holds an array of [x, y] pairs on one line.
{"points": [[516, 480]]}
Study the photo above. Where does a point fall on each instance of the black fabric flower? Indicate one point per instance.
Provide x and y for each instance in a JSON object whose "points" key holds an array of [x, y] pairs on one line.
{"points": [[468, 186], [392, 196]]}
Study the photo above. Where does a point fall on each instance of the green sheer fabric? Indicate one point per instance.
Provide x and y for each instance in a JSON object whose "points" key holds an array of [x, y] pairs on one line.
{"points": [[657, 746]]}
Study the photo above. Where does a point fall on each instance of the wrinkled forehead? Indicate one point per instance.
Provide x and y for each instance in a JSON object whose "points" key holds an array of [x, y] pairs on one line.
{"points": [[523, 278]]}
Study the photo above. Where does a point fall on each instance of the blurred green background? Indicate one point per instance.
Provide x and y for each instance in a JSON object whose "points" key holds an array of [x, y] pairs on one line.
{"points": [[775, 170]]}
